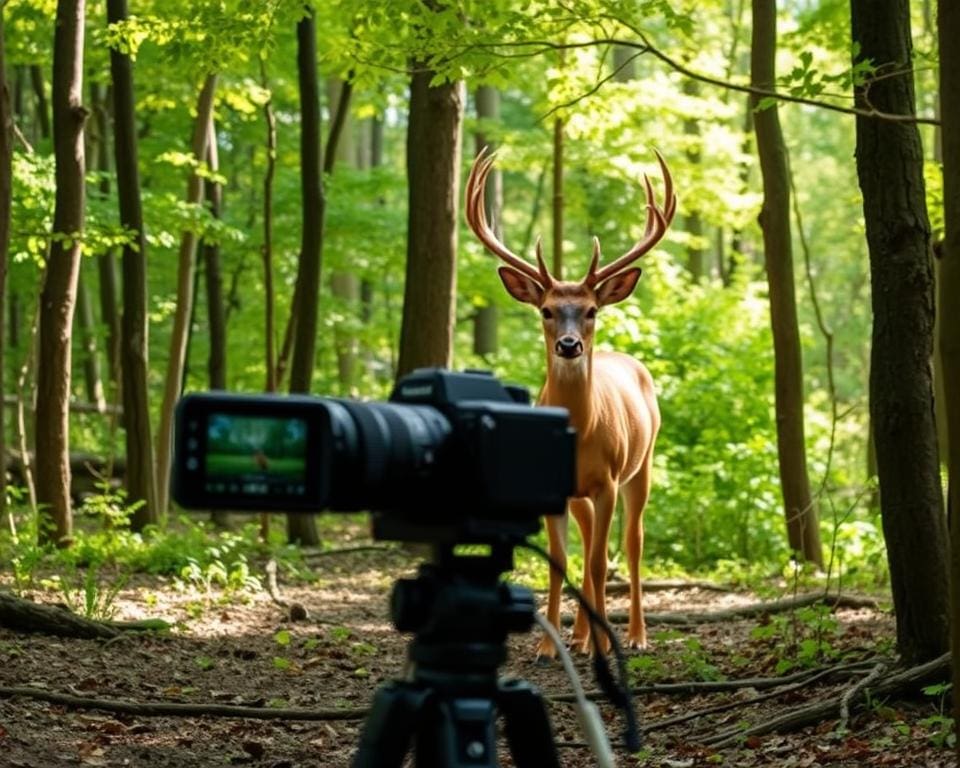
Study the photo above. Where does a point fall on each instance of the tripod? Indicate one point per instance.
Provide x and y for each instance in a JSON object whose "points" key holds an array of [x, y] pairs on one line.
{"points": [[461, 615]]}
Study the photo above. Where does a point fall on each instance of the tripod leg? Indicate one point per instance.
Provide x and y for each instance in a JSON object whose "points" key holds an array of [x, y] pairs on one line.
{"points": [[462, 735], [527, 726], [389, 727]]}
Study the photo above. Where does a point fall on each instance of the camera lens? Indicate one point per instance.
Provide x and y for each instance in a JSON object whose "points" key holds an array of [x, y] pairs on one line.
{"points": [[382, 454]]}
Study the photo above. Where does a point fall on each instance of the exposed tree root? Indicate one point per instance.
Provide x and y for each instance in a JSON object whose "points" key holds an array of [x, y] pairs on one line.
{"points": [[745, 611], [26, 616], [661, 585], [903, 682]]}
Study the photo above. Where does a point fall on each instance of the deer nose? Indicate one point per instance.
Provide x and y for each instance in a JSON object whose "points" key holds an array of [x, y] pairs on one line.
{"points": [[569, 346]]}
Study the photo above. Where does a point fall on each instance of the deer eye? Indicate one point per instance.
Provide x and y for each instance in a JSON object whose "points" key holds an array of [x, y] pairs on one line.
{"points": [[591, 313], [546, 314]]}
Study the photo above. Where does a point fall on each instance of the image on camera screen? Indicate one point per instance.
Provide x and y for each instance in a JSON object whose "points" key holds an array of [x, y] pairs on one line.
{"points": [[256, 455]]}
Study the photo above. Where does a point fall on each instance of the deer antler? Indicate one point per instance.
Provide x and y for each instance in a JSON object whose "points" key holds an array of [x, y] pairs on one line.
{"points": [[658, 219], [477, 219]]}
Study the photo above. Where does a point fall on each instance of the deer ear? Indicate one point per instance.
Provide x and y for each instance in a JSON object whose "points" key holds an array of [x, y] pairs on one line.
{"points": [[521, 287], [618, 287]]}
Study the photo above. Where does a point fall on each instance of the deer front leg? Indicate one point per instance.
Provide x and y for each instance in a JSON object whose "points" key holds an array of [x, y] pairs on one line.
{"points": [[582, 511], [557, 547], [636, 493], [596, 564]]}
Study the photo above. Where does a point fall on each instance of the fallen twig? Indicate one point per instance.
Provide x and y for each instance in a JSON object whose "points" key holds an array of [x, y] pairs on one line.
{"points": [[295, 610], [170, 709], [661, 585]]}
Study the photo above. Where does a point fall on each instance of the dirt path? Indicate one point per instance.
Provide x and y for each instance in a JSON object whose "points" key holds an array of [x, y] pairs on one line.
{"points": [[243, 651]]}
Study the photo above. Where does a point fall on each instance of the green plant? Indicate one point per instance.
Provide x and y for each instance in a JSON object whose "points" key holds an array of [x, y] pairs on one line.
{"points": [[801, 638], [941, 727], [88, 593]]}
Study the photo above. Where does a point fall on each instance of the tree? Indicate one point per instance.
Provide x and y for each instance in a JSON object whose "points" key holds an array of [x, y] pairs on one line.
{"points": [[139, 478], [303, 528], [433, 177], [186, 268], [803, 526], [890, 169], [948, 18], [60, 284], [6, 159]]}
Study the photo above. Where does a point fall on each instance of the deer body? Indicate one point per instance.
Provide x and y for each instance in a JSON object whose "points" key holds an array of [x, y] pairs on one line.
{"points": [[611, 400]]}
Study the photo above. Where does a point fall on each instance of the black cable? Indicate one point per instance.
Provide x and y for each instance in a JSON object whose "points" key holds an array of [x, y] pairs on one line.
{"points": [[619, 695]]}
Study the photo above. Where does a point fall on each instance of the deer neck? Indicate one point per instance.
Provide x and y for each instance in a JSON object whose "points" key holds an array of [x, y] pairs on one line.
{"points": [[569, 385]]}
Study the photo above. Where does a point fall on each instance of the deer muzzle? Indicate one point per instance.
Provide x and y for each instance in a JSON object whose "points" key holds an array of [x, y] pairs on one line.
{"points": [[568, 347]]}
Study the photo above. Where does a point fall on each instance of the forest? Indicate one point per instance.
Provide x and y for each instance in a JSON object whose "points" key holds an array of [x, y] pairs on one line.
{"points": [[318, 198]]}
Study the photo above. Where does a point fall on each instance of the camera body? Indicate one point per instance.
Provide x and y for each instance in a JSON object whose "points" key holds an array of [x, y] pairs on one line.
{"points": [[451, 457]]}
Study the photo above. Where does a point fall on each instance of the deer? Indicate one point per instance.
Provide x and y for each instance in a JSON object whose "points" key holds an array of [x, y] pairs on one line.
{"points": [[610, 398]]}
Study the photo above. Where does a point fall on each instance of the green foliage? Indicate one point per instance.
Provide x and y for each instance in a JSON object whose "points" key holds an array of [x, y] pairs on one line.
{"points": [[800, 638]]}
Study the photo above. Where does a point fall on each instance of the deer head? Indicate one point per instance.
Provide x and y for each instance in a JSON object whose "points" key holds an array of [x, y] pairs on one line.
{"points": [[568, 309]]}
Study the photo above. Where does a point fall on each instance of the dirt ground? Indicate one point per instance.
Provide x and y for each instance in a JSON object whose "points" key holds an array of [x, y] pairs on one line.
{"points": [[244, 651]]}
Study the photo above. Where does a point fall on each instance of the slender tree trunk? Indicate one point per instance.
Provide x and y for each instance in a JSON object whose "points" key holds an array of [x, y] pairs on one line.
{"points": [[40, 93], [433, 174], [803, 528], [487, 99], [139, 478], [60, 285], [344, 285], [694, 222], [88, 336], [303, 528], [216, 315], [6, 158], [267, 251], [106, 262], [185, 273], [948, 19], [558, 199], [890, 169]]}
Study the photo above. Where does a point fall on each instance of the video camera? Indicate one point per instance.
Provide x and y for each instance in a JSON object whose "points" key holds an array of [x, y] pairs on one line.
{"points": [[452, 457]]}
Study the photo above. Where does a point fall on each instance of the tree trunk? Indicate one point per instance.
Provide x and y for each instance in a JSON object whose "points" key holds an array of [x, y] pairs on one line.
{"points": [[216, 316], [59, 292], [140, 480], [803, 527], [433, 176], [303, 528], [890, 170], [40, 93], [106, 262], [344, 285], [267, 250], [487, 99], [558, 199], [88, 337], [186, 267], [948, 19], [694, 222], [6, 157]]}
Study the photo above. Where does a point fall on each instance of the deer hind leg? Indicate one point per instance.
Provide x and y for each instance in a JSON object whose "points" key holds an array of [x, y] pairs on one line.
{"points": [[582, 511], [557, 547], [636, 492]]}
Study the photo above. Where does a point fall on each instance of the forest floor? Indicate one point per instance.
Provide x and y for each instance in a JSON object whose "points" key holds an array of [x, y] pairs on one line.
{"points": [[242, 650]]}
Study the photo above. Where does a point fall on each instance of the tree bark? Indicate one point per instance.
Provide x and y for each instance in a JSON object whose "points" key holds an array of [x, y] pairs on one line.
{"points": [[6, 159], [106, 262], [186, 268], [487, 99], [948, 21], [216, 315], [267, 250], [890, 169], [557, 269], [40, 93], [433, 176], [803, 527], [303, 528], [59, 292], [88, 337], [140, 480]]}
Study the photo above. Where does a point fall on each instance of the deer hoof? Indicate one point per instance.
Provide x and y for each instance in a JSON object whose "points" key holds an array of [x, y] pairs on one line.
{"points": [[546, 653]]}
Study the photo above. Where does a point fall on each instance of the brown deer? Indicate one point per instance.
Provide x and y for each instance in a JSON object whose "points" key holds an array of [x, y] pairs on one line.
{"points": [[610, 397], [261, 460]]}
